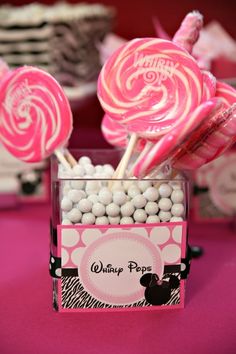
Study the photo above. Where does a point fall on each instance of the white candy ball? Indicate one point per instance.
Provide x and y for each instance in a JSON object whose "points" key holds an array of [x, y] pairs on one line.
{"points": [[133, 191], [117, 187], [64, 215], [78, 171], [177, 209], [76, 195], [139, 201], [165, 204], [77, 184], [98, 175], [92, 187], [88, 219], [91, 192], [105, 196], [93, 198], [102, 220], [127, 185], [165, 190], [151, 194], [66, 188], [98, 209], [74, 215], [114, 220], [152, 219], [177, 196], [89, 169], [108, 170], [66, 222], [151, 208], [85, 205], [99, 168], [112, 210], [126, 220], [176, 218], [65, 174], [164, 215], [140, 215], [143, 185], [175, 185], [66, 204], [119, 197], [84, 160], [127, 209]]}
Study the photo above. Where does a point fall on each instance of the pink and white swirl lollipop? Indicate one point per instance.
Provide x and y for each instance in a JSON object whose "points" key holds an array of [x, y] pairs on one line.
{"points": [[148, 85], [35, 115], [174, 140], [188, 33]]}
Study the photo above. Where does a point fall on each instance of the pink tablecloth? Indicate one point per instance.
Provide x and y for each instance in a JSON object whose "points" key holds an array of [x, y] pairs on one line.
{"points": [[28, 324]]}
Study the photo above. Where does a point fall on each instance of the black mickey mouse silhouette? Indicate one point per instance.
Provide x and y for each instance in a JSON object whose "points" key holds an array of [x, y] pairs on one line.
{"points": [[158, 291], [30, 180]]}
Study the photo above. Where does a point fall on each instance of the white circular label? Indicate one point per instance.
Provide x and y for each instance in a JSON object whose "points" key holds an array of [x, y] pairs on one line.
{"points": [[111, 267]]}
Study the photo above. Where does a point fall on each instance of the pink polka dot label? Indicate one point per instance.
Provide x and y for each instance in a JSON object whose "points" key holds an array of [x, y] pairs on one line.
{"points": [[121, 267]]}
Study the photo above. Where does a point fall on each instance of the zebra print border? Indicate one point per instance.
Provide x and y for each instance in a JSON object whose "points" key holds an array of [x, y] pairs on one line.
{"points": [[74, 296]]}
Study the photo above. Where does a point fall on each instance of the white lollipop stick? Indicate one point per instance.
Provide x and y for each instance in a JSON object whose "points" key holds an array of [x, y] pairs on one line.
{"points": [[61, 158], [120, 171], [70, 158]]}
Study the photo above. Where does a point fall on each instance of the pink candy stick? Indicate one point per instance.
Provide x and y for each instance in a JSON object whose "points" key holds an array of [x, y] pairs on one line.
{"points": [[209, 85], [172, 142], [35, 115], [145, 86], [209, 143], [188, 33], [219, 133], [226, 92]]}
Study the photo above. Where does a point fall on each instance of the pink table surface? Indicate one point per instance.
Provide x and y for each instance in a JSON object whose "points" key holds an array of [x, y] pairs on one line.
{"points": [[28, 325]]}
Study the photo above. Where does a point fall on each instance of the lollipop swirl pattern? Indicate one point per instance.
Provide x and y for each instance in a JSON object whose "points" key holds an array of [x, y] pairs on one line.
{"points": [[31, 114], [150, 77], [146, 86]]}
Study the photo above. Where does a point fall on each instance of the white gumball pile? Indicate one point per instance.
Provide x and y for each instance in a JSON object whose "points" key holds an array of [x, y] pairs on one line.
{"points": [[88, 198]]}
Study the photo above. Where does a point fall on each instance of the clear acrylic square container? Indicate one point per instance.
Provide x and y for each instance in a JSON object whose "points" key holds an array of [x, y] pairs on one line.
{"points": [[114, 250]]}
